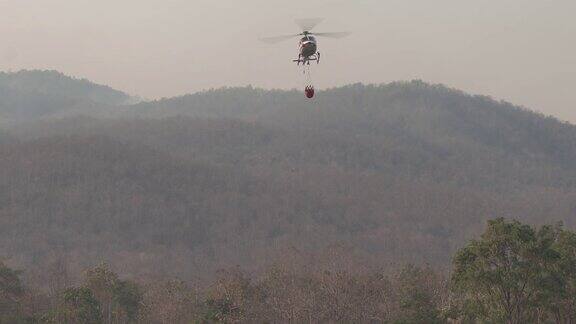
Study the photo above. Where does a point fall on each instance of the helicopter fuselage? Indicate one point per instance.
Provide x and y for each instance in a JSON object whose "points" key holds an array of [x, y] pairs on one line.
{"points": [[308, 50]]}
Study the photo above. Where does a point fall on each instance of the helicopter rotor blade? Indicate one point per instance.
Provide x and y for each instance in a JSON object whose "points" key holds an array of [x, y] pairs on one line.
{"points": [[308, 24], [332, 35], [277, 39]]}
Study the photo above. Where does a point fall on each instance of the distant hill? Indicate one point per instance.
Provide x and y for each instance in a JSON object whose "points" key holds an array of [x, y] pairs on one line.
{"points": [[31, 95], [54, 83], [403, 172], [412, 128]]}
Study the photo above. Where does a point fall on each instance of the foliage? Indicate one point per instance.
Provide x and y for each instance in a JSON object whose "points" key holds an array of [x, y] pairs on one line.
{"points": [[514, 273], [120, 300], [517, 274], [420, 293], [78, 305], [11, 294], [171, 301]]}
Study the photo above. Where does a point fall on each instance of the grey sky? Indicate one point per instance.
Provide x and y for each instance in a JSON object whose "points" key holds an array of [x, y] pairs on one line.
{"points": [[522, 51]]}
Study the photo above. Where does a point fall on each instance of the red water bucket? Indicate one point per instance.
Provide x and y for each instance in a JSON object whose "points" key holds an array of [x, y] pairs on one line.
{"points": [[309, 92]]}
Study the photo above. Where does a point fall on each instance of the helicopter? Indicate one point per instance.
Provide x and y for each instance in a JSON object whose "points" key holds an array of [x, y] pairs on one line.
{"points": [[308, 46]]}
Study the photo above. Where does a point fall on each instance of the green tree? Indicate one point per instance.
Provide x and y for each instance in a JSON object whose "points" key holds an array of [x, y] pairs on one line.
{"points": [[562, 300], [128, 296], [418, 294], [120, 299], [79, 305], [509, 274]]}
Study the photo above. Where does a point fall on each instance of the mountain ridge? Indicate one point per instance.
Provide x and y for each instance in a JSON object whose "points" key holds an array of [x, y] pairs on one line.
{"points": [[52, 82], [402, 172]]}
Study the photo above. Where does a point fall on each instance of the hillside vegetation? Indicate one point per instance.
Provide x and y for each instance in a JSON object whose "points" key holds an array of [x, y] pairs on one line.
{"points": [[389, 174], [484, 286], [54, 83], [32, 95]]}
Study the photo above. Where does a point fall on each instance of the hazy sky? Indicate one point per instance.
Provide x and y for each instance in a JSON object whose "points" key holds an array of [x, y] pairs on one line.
{"points": [[523, 51]]}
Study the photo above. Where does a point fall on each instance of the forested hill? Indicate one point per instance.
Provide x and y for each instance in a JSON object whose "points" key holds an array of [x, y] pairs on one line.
{"points": [[431, 113], [403, 172], [409, 128], [31, 95], [54, 83]]}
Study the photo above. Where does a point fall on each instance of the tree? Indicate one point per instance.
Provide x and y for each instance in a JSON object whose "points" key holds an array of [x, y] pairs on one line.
{"points": [[128, 297], [231, 298], [507, 275], [419, 294], [79, 305], [101, 281], [171, 301], [11, 293], [120, 299], [562, 302]]}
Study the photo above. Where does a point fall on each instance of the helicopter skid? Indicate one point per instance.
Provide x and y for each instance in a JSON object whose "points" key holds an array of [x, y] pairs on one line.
{"points": [[308, 59]]}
